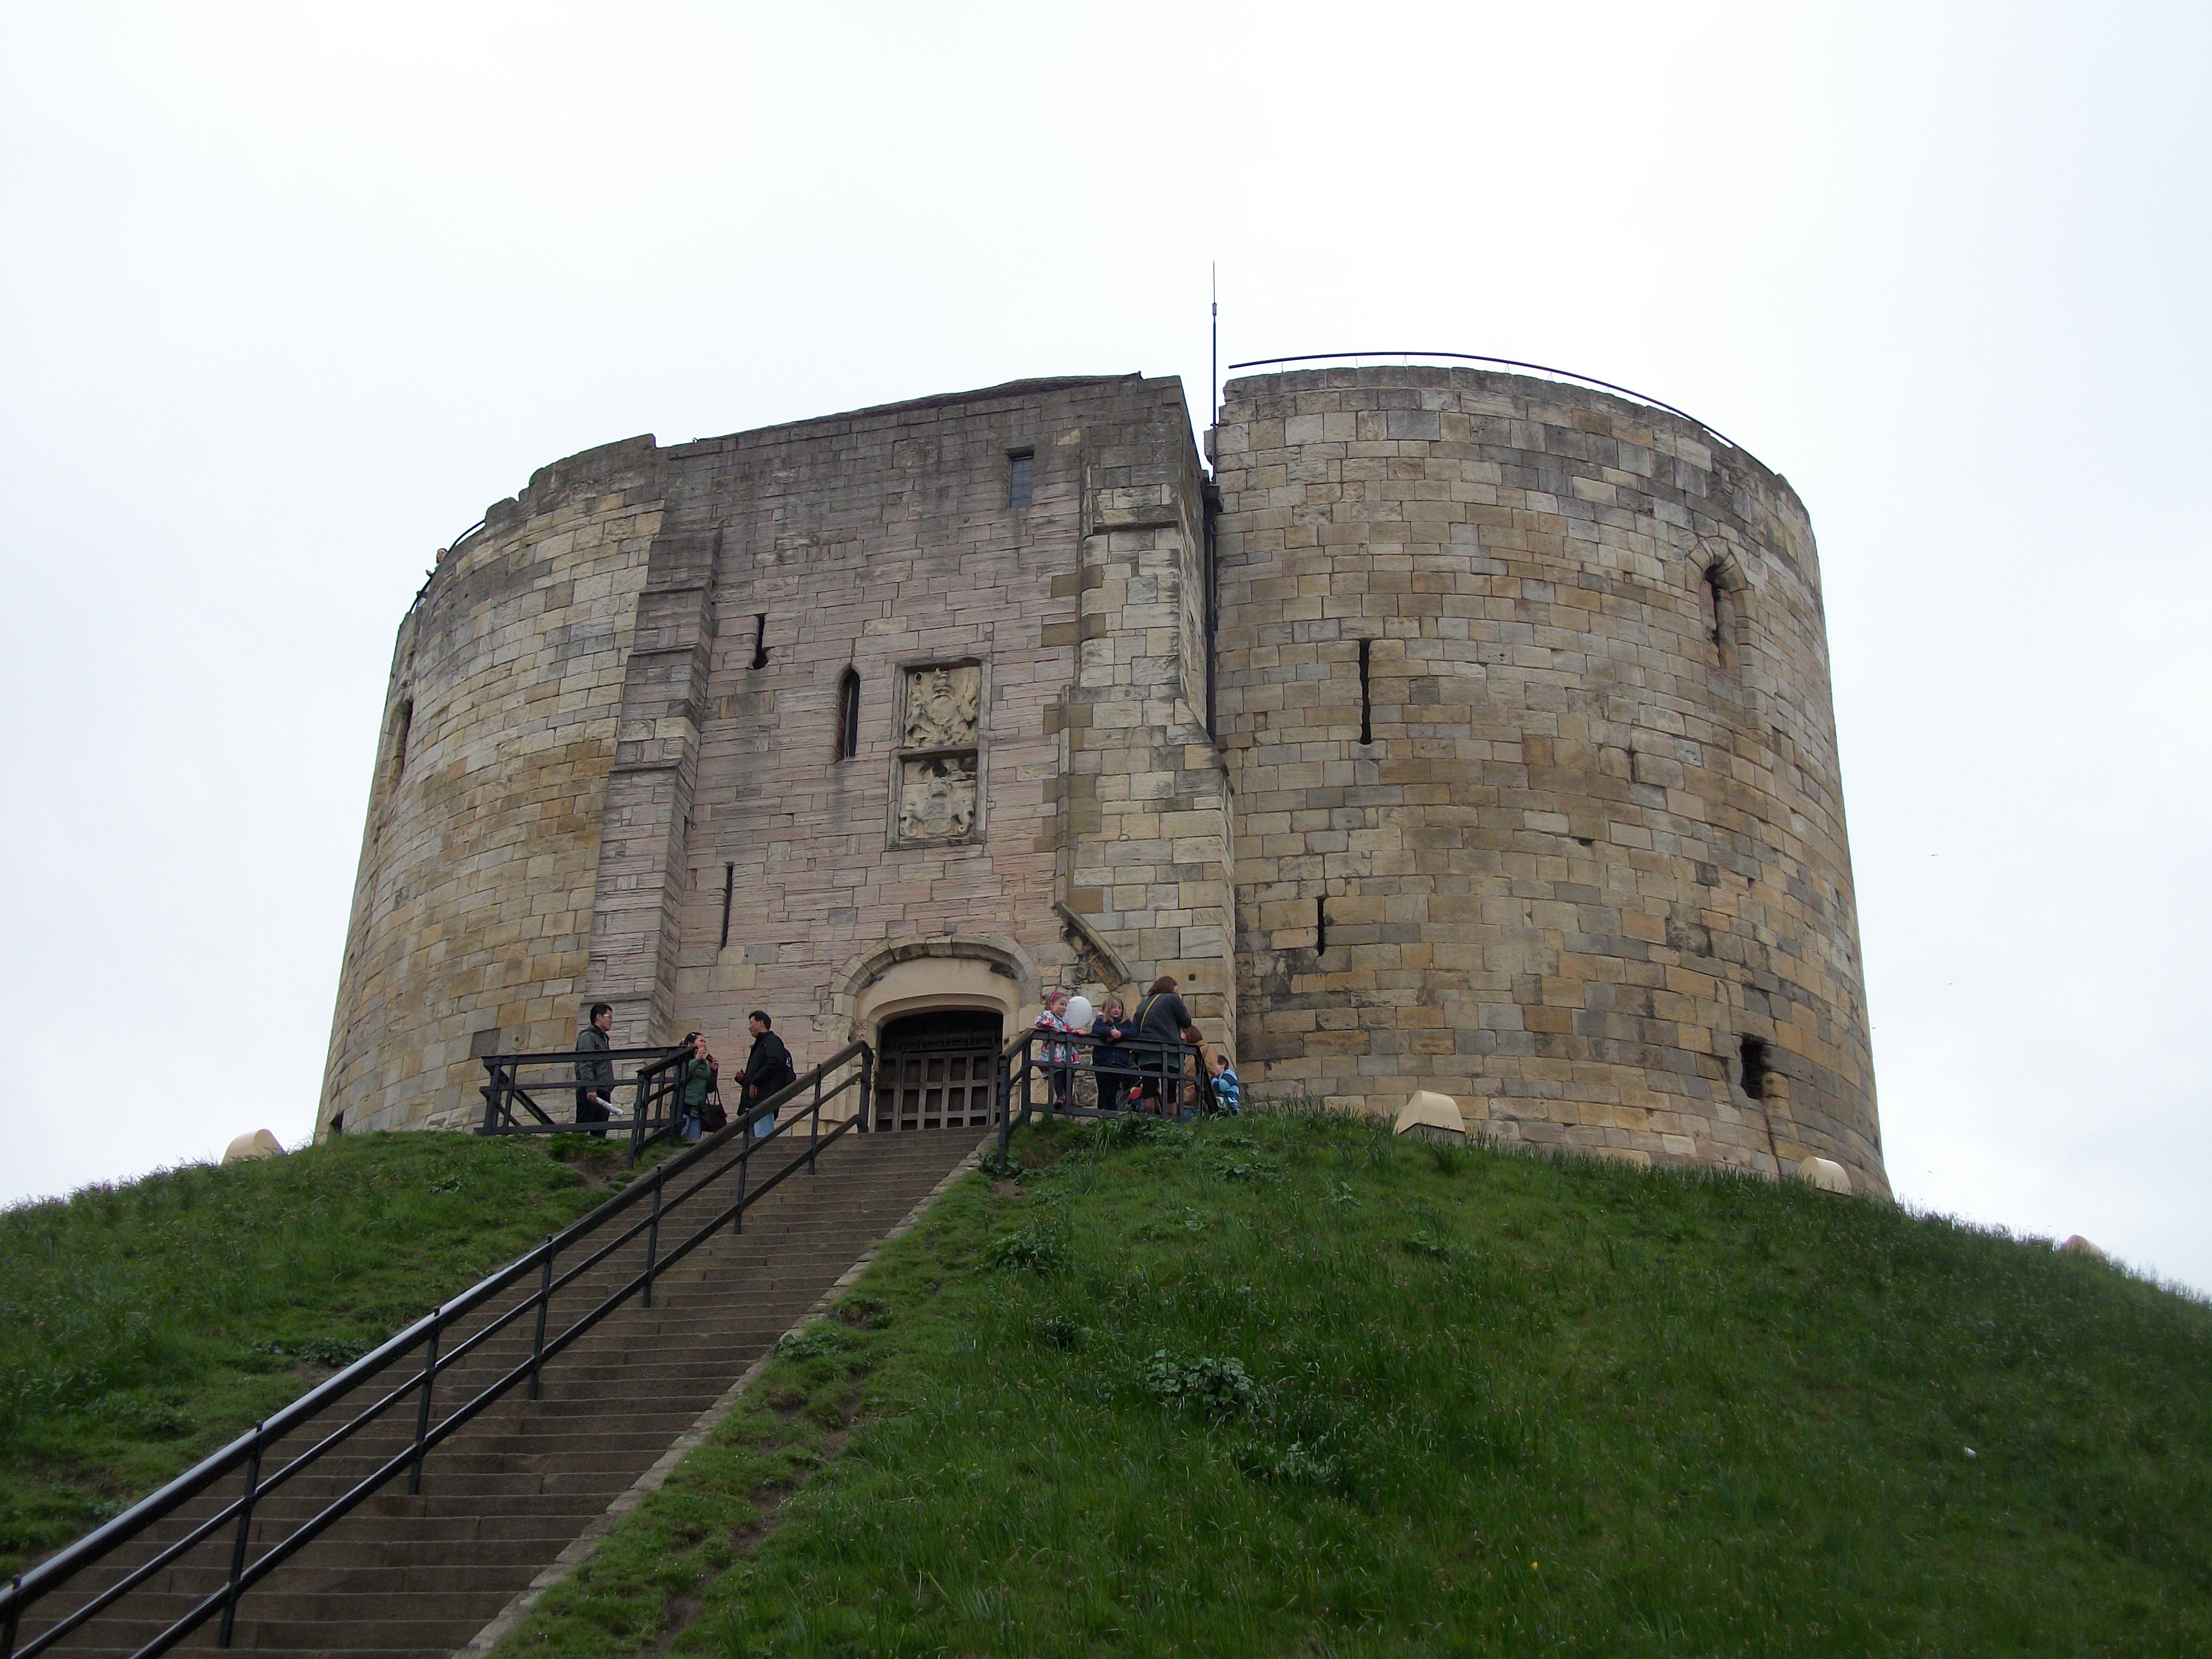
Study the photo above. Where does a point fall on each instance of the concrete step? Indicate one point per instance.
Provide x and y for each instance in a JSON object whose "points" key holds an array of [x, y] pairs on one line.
{"points": [[155, 1612], [588, 1452], [421, 1565], [307, 1635]]}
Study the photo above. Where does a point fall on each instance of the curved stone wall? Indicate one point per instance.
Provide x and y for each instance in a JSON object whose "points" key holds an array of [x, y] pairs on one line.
{"points": [[1577, 855], [472, 909]]}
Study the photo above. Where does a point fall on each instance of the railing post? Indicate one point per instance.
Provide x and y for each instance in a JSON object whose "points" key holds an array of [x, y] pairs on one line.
{"points": [[1002, 1090], [867, 1089], [544, 1300], [636, 1117], [422, 1407], [1051, 1083], [814, 1132], [238, 1544], [744, 1164], [653, 1233]]}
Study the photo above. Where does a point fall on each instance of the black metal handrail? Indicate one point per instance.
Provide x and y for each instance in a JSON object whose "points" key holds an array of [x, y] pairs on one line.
{"points": [[1155, 1068], [655, 1088], [813, 1092]]}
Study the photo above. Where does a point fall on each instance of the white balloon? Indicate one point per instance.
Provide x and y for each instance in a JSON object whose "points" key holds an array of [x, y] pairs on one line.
{"points": [[1079, 1013]]}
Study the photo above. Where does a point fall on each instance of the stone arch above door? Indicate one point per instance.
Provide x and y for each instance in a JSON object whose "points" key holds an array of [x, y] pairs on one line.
{"points": [[938, 973]]}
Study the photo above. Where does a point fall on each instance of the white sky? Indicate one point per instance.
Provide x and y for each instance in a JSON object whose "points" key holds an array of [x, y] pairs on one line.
{"points": [[287, 293]]}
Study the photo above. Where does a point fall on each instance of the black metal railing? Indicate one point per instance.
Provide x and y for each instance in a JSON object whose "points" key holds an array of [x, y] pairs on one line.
{"points": [[1073, 1074], [516, 1082], [676, 1194], [1407, 357]]}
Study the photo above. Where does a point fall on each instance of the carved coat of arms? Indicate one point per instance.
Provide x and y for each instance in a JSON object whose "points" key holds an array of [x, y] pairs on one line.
{"points": [[943, 703], [937, 791]]}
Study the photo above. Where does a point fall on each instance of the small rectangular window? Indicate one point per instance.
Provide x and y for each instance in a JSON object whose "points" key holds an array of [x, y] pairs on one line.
{"points": [[1752, 1053], [848, 714], [1021, 477], [401, 729]]}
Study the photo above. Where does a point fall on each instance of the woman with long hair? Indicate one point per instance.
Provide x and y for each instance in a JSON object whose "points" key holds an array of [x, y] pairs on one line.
{"points": [[1162, 1017]]}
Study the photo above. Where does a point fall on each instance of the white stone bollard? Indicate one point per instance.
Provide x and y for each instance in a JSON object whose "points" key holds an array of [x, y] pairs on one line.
{"points": [[259, 1144], [1428, 1116], [1825, 1173]]}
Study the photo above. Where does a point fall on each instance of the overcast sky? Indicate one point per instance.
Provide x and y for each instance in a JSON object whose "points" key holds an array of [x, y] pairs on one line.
{"points": [[289, 292]]}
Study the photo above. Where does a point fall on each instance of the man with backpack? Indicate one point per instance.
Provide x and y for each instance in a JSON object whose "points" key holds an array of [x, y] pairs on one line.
{"points": [[767, 1068]]}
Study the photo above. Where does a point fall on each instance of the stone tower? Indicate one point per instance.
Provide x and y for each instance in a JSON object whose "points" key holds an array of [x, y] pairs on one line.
{"points": [[1467, 731], [1523, 691], [871, 720]]}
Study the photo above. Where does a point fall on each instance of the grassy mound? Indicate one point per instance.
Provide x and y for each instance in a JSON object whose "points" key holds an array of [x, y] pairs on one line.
{"points": [[141, 1326], [1288, 1386]]}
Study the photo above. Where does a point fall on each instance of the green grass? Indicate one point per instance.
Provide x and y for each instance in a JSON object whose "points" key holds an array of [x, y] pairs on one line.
{"points": [[141, 1326], [1288, 1386]]}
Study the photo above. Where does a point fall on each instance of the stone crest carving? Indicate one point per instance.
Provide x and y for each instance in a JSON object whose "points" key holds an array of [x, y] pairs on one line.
{"points": [[937, 798], [944, 703], [939, 727]]}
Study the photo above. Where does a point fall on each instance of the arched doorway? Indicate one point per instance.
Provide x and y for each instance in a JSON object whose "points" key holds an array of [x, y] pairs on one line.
{"points": [[937, 1070]]}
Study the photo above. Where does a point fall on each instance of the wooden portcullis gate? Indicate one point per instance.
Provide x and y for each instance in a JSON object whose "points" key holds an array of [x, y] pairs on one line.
{"points": [[938, 1070]]}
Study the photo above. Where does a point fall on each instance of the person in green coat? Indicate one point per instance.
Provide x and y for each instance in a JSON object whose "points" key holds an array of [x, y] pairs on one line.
{"points": [[701, 1077]]}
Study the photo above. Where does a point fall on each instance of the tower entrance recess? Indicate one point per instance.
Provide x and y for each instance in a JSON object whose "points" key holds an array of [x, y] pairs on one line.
{"points": [[937, 1071]]}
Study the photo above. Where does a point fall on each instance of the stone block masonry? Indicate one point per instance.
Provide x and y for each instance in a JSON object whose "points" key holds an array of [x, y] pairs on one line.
{"points": [[1468, 732], [624, 700], [472, 911], [888, 545], [1524, 696]]}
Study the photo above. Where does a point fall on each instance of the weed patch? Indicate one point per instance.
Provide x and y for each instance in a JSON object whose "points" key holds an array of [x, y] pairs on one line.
{"points": [[1248, 1169], [1217, 1388], [817, 1339], [1038, 1247]]}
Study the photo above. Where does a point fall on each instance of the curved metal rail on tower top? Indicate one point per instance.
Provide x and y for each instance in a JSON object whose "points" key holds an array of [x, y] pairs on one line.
{"points": [[1503, 362]]}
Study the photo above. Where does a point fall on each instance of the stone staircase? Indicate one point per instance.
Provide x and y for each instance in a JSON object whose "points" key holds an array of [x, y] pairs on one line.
{"points": [[418, 1577]]}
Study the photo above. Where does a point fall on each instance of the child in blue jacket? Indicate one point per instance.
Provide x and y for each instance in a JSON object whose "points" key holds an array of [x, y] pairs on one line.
{"points": [[1228, 1092]]}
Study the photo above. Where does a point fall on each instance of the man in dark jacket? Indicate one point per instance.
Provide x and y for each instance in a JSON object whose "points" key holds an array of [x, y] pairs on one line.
{"points": [[597, 1076], [768, 1067]]}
